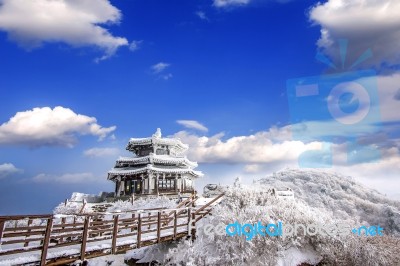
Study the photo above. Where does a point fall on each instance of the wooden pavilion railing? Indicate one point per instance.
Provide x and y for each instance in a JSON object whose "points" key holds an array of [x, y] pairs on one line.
{"points": [[56, 240]]}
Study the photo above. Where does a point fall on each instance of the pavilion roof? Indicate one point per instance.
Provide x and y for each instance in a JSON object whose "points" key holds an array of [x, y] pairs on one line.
{"points": [[151, 168], [157, 139], [158, 159]]}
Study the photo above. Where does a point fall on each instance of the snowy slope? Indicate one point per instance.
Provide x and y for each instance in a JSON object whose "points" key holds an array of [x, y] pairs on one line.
{"points": [[340, 196], [320, 197]]}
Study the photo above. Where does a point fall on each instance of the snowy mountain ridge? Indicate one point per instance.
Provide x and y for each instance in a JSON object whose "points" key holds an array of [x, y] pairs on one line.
{"points": [[320, 198], [341, 196]]}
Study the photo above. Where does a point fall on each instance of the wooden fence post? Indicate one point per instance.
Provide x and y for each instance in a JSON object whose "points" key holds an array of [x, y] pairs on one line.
{"points": [[139, 231], [189, 220], [133, 219], [27, 242], [63, 220], [193, 233], [84, 237], [175, 224], [2, 225], [158, 227], [115, 235], [46, 241]]}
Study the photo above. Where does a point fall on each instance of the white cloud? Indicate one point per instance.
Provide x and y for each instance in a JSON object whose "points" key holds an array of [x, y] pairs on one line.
{"points": [[77, 23], [261, 147], [50, 127], [167, 76], [252, 168], [274, 149], [192, 124], [7, 169], [229, 3], [135, 45], [397, 95], [201, 15], [382, 175], [65, 178], [235, 3], [365, 23], [159, 67], [388, 87], [101, 152]]}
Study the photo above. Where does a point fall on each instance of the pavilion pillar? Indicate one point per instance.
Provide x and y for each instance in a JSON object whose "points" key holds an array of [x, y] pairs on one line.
{"points": [[117, 184], [164, 183], [176, 182], [156, 184], [121, 186], [141, 185]]}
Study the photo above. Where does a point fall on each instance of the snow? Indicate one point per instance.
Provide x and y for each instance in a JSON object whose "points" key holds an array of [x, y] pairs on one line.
{"points": [[19, 260], [76, 196], [155, 139], [296, 256], [162, 159], [319, 198], [114, 260], [149, 167], [340, 196]]}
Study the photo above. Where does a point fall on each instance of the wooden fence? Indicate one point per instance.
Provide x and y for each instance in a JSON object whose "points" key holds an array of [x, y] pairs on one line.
{"points": [[56, 240]]}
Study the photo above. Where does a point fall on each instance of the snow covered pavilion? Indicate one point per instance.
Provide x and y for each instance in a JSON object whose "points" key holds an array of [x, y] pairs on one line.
{"points": [[157, 167]]}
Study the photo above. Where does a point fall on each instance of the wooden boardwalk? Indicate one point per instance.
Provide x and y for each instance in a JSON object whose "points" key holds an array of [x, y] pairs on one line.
{"points": [[57, 240]]}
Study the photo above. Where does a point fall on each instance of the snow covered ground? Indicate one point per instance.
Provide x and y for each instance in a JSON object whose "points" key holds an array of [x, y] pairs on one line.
{"points": [[319, 198]]}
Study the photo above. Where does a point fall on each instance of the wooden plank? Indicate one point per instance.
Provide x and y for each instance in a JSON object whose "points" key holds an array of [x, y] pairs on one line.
{"points": [[74, 229], [98, 227], [23, 228], [159, 227], [23, 233], [9, 242], [123, 235], [185, 224], [97, 239], [139, 231], [115, 235], [202, 215], [175, 223], [68, 235], [23, 217], [64, 244], [101, 231], [84, 237], [46, 241], [167, 227], [68, 225], [127, 223], [20, 250], [108, 222]]}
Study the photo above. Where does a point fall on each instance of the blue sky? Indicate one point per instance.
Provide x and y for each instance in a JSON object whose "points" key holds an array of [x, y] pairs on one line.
{"points": [[79, 78]]}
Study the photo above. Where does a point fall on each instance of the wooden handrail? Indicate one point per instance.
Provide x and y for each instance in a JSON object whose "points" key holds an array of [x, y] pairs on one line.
{"points": [[27, 216], [89, 229], [208, 204]]}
